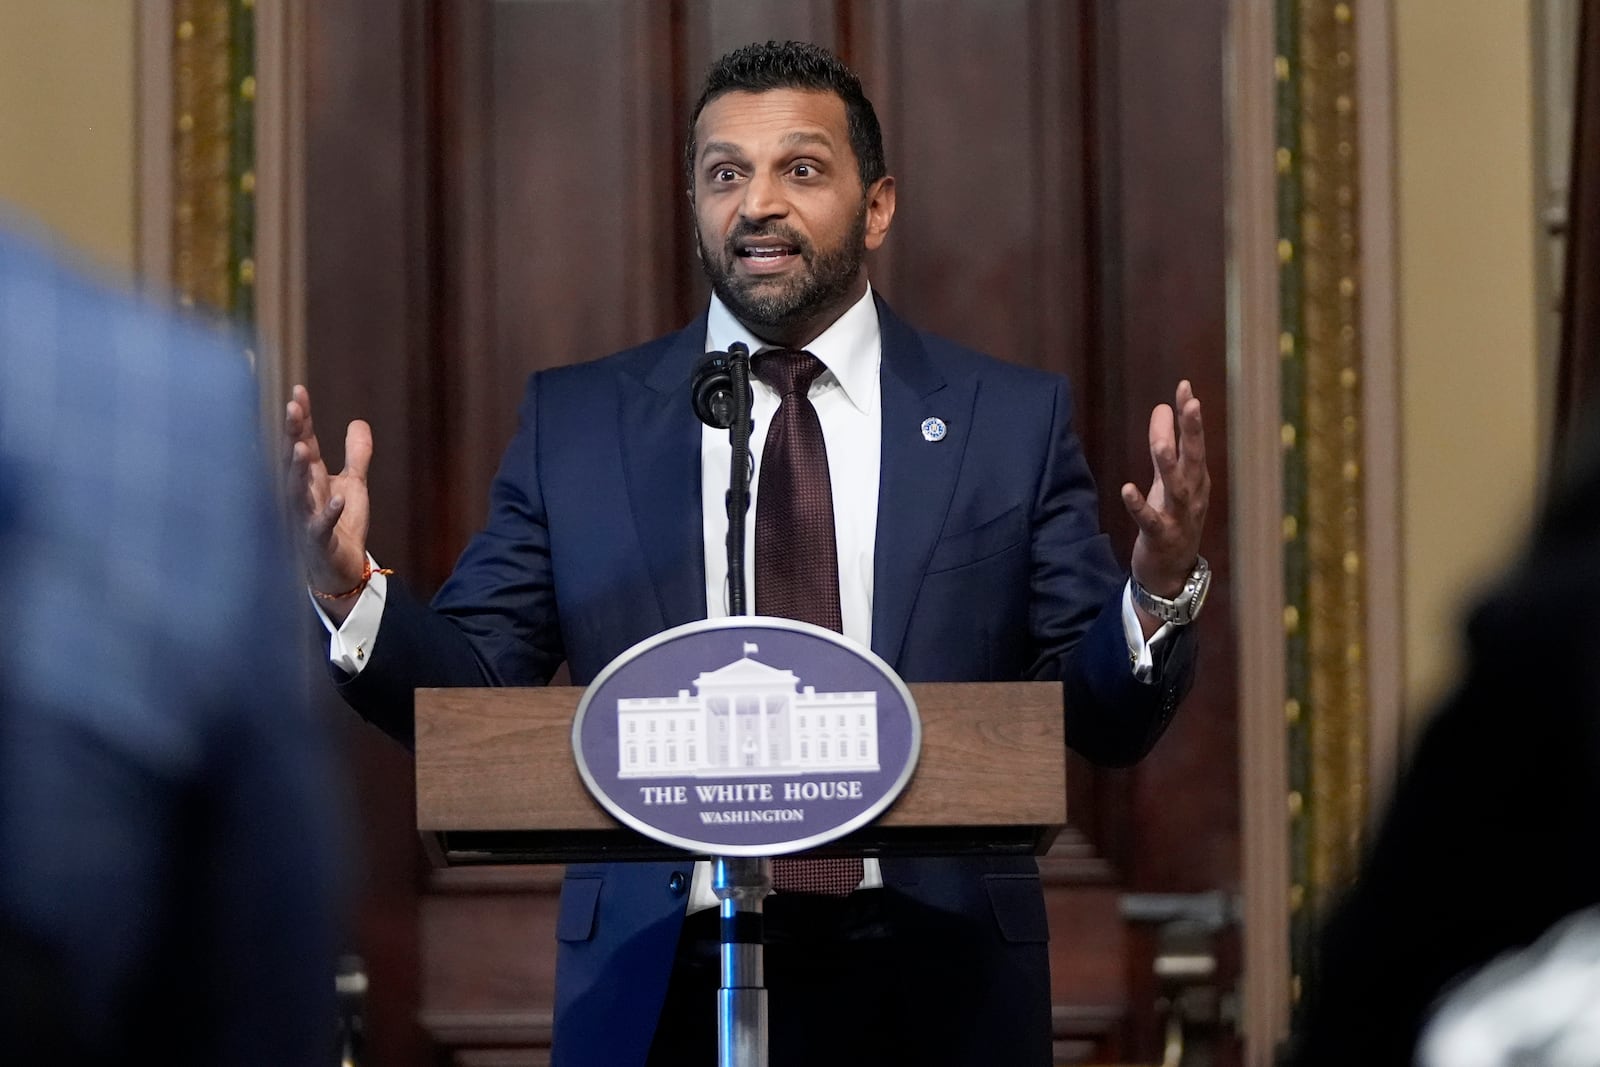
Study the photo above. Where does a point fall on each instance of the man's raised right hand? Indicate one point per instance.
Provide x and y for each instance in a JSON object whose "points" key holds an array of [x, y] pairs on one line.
{"points": [[331, 511]]}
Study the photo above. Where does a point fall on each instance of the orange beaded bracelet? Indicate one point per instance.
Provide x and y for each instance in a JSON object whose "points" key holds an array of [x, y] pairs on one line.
{"points": [[367, 571]]}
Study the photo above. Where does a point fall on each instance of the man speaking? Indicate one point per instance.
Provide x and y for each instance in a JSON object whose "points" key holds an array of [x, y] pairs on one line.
{"points": [[926, 501]]}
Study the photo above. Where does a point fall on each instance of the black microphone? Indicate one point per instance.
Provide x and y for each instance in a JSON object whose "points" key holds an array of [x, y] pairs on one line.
{"points": [[711, 391], [721, 395]]}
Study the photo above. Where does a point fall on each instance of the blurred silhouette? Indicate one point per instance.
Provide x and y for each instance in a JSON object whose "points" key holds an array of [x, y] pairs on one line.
{"points": [[167, 853], [1490, 837], [1534, 1007]]}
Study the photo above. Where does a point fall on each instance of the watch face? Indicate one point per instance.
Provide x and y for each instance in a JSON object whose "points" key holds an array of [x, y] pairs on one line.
{"points": [[1199, 586]]}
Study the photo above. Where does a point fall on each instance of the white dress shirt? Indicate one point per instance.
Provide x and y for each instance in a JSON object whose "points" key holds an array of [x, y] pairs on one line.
{"points": [[846, 397]]}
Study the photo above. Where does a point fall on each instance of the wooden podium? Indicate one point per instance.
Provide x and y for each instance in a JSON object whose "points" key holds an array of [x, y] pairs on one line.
{"points": [[497, 782]]}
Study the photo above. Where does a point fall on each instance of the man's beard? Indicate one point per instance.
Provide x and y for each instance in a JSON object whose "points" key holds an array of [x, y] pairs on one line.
{"points": [[771, 303]]}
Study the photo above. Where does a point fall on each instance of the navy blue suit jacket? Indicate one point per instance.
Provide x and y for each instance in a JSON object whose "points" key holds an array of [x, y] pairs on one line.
{"points": [[989, 566]]}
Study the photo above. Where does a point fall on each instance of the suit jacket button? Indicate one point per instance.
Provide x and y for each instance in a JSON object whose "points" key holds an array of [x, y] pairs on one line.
{"points": [[677, 883]]}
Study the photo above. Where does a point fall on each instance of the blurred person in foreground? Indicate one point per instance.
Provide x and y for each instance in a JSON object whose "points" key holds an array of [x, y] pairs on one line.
{"points": [[1490, 839], [167, 889]]}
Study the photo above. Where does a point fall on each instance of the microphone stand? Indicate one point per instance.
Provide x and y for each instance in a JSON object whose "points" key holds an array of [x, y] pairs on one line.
{"points": [[722, 399], [741, 884]]}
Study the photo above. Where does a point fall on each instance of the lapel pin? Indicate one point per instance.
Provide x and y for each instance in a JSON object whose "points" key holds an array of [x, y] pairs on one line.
{"points": [[933, 429]]}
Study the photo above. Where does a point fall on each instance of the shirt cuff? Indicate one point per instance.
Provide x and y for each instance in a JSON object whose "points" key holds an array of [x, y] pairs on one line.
{"points": [[350, 645], [1140, 652]]}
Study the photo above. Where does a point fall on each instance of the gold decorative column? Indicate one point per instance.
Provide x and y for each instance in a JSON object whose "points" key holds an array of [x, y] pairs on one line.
{"points": [[213, 183], [1319, 343]]}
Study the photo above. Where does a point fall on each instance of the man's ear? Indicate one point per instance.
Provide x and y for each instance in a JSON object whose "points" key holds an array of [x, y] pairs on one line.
{"points": [[880, 211]]}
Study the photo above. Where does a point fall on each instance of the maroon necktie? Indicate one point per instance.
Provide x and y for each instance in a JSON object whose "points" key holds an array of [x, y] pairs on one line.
{"points": [[797, 558]]}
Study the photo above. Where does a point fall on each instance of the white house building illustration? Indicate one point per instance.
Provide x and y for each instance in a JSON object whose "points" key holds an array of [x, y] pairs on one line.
{"points": [[747, 719]]}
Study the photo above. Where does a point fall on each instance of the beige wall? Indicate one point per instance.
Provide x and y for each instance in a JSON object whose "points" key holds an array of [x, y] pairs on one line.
{"points": [[67, 104], [1469, 366]]}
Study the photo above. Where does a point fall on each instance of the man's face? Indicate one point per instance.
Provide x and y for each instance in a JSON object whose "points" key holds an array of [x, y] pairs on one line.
{"points": [[781, 219]]}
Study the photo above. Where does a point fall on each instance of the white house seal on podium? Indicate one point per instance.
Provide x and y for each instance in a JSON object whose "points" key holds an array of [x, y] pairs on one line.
{"points": [[746, 736]]}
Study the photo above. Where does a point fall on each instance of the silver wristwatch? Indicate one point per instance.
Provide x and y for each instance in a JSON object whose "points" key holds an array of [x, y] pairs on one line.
{"points": [[1185, 607]]}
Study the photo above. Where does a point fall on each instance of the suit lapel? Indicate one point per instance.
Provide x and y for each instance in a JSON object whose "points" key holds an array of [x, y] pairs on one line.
{"points": [[661, 462], [917, 476]]}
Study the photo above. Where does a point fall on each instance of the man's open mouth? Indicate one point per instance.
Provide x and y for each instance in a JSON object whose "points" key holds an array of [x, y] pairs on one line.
{"points": [[767, 253]]}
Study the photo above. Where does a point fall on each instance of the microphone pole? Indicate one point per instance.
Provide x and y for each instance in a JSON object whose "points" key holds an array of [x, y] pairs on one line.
{"points": [[721, 396], [741, 883], [738, 498]]}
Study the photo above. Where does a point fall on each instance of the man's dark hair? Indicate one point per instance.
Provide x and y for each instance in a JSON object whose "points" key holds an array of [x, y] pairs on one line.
{"points": [[760, 68]]}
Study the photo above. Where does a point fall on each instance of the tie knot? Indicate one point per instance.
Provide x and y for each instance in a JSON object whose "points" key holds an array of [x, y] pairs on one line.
{"points": [[788, 370]]}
